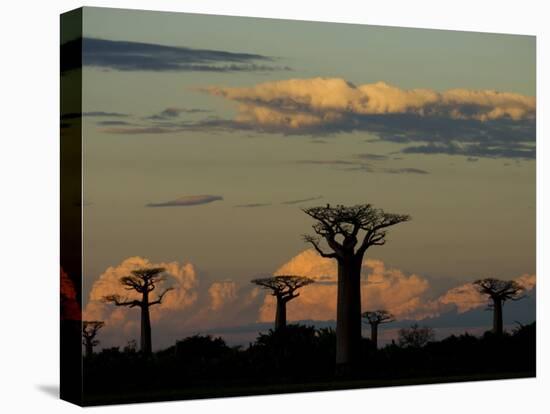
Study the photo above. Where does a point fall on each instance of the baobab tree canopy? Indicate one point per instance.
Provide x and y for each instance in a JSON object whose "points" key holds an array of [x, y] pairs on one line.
{"points": [[341, 226], [502, 290], [378, 317], [499, 291], [89, 332], [142, 281], [375, 318], [284, 286], [90, 329]]}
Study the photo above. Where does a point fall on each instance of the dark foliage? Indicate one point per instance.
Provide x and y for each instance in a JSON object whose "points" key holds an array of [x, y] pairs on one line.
{"points": [[202, 365]]}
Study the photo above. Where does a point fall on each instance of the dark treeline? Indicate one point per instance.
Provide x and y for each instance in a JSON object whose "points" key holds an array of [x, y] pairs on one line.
{"points": [[300, 358]]}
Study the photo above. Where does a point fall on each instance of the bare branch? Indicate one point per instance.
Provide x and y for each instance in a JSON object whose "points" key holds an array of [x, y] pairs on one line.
{"points": [[314, 241], [159, 299], [116, 300]]}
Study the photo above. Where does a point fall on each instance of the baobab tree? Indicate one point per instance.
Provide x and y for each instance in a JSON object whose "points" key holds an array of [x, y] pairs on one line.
{"points": [[349, 232], [89, 332], [143, 281], [374, 319], [498, 292], [284, 288]]}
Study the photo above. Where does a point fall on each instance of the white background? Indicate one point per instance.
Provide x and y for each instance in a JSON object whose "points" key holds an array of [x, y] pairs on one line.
{"points": [[29, 209]]}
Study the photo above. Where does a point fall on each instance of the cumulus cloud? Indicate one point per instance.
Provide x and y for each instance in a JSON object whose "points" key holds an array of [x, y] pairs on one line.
{"points": [[181, 277], [222, 293], [195, 305], [191, 200], [303, 102], [200, 305], [407, 296], [477, 122], [466, 297], [381, 288]]}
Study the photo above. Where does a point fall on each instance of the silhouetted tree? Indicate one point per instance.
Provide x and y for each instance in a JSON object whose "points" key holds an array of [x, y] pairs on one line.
{"points": [[89, 332], [499, 291], [143, 281], [416, 336], [374, 319], [340, 226], [284, 288]]}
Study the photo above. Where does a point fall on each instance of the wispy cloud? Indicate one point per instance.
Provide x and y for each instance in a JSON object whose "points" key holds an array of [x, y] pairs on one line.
{"points": [[474, 150], [252, 205], [326, 162], [105, 114], [95, 114], [191, 200], [138, 56], [302, 200], [171, 113], [372, 157], [139, 130], [113, 123], [360, 165]]}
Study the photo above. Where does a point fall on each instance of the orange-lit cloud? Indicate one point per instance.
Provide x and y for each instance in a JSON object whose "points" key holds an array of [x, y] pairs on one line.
{"points": [[197, 305], [298, 103], [182, 278], [222, 293], [467, 297], [407, 296], [381, 288], [191, 307]]}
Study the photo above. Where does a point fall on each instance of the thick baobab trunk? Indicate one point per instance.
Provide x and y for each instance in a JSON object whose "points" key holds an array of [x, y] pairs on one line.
{"points": [[145, 343], [497, 316], [280, 315], [348, 315], [374, 334]]}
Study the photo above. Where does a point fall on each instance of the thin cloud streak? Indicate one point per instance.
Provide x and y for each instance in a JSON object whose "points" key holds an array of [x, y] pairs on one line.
{"points": [[253, 205], [137, 56], [303, 200], [364, 166], [191, 200]]}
